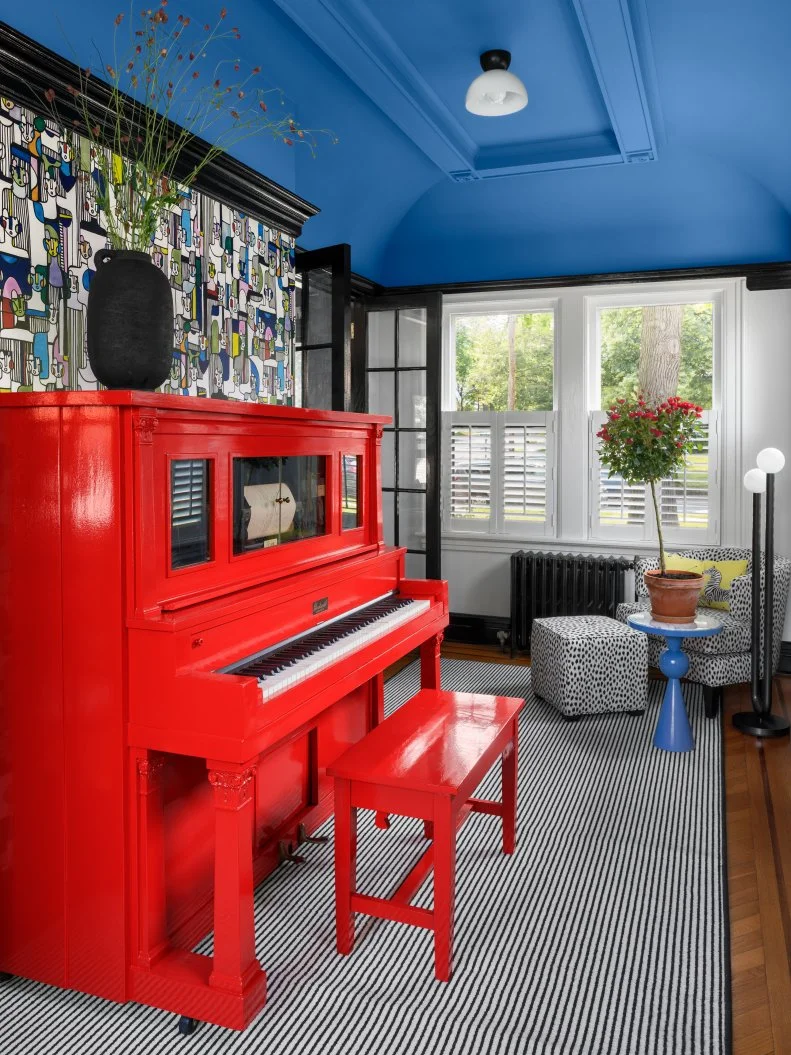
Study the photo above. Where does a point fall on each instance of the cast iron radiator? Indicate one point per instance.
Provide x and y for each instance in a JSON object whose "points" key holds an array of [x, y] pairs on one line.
{"points": [[546, 584]]}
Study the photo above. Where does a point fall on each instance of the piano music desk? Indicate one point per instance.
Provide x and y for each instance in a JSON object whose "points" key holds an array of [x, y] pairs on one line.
{"points": [[424, 761]]}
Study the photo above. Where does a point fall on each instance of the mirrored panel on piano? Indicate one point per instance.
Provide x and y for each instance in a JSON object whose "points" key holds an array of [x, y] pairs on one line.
{"points": [[351, 498], [189, 512]]}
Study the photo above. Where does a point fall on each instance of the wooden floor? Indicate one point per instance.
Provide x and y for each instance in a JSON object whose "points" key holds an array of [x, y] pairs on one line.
{"points": [[758, 821], [758, 810]]}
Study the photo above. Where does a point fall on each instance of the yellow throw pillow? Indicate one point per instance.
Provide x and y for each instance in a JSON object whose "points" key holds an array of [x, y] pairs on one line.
{"points": [[719, 575]]}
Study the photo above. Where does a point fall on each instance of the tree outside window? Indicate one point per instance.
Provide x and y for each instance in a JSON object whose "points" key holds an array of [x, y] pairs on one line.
{"points": [[505, 362]]}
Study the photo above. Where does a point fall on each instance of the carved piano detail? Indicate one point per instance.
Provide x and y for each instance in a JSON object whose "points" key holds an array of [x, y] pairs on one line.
{"points": [[196, 610]]}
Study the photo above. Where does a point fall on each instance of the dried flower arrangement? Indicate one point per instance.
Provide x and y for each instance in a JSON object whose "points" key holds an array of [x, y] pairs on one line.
{"points": [[169, 83]]}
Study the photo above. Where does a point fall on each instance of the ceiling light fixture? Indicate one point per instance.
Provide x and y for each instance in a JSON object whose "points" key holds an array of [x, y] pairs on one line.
{"points": [[496, 92]]}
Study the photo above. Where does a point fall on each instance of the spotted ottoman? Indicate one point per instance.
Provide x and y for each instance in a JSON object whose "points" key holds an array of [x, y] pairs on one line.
{"points": [[589, 664]]}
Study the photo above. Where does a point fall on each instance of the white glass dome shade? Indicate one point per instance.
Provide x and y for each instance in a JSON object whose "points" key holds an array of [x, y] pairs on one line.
{"points": [[496, 92], [771, 460], [755, 481]]}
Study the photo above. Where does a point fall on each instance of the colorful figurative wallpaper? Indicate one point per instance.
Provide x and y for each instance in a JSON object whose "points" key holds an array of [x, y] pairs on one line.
{"points": [[232, 277]]}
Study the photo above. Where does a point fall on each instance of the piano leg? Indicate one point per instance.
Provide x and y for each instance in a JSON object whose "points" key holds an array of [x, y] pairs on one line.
{"points": [[229, 988], [429, 662], [377, 700], [345, 866], [152, 928], [234, 965]]}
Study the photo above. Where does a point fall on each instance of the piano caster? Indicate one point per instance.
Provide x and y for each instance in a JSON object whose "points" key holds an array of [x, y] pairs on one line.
{"points": [[382, 820], [187, 1026], [285, 851], [303, 837]]}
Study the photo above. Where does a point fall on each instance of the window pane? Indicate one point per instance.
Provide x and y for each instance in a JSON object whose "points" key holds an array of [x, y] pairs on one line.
{"points": [[412, 399], [505, 362], [415, 566], [412, 459], [319, 306], [412, 337], [317, 379], [388, 516], [388, 459], [189, 512], [381, 338], [470, 472], [683, 329], [381, 393], [412, 520]]}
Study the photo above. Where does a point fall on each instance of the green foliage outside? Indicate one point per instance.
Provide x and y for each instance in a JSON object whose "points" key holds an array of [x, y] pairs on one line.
{"points": [[482, 358], [620, 332], [482, 362]]}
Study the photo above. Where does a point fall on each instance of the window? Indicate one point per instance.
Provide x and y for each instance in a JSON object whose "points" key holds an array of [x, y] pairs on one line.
{"points": [[550, 363], [682, 337], [500, 428]]}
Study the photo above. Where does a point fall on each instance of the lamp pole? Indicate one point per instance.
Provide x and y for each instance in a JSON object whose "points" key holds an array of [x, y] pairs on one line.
{"points": [[760, 721]]}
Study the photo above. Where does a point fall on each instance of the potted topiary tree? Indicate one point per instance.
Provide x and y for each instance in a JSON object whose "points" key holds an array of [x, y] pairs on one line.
{"points": [[647, 444]]}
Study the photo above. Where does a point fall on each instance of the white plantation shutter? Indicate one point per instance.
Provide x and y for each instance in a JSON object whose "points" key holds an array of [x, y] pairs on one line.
{"points": [[470, 494], [188, 491], [688, 502], [524, 472], [499, 472]]}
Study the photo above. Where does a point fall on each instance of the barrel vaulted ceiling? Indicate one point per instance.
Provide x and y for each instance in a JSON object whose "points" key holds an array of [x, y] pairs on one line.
{"points": [[656, 133]]}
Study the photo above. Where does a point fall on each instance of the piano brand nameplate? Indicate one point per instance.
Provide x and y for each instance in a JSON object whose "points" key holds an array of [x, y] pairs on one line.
{"points": [[321, 605]]}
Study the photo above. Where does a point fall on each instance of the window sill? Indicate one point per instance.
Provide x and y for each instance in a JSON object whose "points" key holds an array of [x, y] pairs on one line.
{"points": [[476, 542]]}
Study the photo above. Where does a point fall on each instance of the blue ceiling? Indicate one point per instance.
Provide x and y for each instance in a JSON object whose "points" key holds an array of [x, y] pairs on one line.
{"points": [[548, 52], [656, 134]]}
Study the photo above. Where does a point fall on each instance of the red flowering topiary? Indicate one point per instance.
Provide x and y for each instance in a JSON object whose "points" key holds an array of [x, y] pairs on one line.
{"points": [[646, 444]]}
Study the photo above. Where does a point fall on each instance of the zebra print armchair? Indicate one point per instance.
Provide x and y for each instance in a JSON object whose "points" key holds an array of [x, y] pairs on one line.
{"points": [[725, 659]]}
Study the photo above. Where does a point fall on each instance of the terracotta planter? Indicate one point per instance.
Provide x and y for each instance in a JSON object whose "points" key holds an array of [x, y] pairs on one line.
{"points": [[674, 596]]}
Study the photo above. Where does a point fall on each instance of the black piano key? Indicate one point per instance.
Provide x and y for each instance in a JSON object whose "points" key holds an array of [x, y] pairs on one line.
{"points": [[314, 641]]}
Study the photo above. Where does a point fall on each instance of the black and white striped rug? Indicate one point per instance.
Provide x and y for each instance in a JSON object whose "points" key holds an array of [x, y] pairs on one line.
{"points": [[605, 934]]}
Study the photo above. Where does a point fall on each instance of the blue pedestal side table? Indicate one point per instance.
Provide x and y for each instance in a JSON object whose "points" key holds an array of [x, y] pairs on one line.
{"points": [[673, 731]]}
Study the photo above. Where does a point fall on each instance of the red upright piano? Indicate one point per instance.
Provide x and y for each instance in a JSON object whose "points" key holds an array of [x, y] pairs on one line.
{"points": [[196, 610]]}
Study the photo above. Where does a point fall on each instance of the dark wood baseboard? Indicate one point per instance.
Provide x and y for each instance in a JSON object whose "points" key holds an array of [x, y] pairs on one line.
{"points": [[477, 629]]}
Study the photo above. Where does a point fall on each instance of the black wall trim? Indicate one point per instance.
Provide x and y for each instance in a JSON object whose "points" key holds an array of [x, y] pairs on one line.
{"points": [[29, 69], [759, 276], [365, 287], [785, 658], [476, 629]]}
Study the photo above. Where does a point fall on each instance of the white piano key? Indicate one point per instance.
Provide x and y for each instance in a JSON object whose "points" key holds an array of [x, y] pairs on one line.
{"points": [[275, 684]]}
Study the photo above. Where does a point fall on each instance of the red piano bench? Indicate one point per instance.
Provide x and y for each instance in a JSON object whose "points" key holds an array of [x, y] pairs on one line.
{"points": [[424, 761]]}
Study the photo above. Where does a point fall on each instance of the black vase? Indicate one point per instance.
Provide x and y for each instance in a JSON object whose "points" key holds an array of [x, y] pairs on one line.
{"points": [[130, 321]]}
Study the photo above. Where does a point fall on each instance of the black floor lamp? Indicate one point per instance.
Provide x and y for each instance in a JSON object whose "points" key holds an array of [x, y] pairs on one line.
{"points": [[760, 721]]}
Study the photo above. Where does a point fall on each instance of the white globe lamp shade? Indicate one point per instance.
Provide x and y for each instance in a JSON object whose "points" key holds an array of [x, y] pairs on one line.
{"points": [[496, 92], [755, 481], [771, 460]]}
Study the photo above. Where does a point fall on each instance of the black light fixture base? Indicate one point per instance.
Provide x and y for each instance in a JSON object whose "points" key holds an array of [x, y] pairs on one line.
{"points": [[764, 725], [496, 59]]}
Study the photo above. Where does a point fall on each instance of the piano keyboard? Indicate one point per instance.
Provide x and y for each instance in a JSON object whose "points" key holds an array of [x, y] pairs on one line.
{"points": [[286, 664]]}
